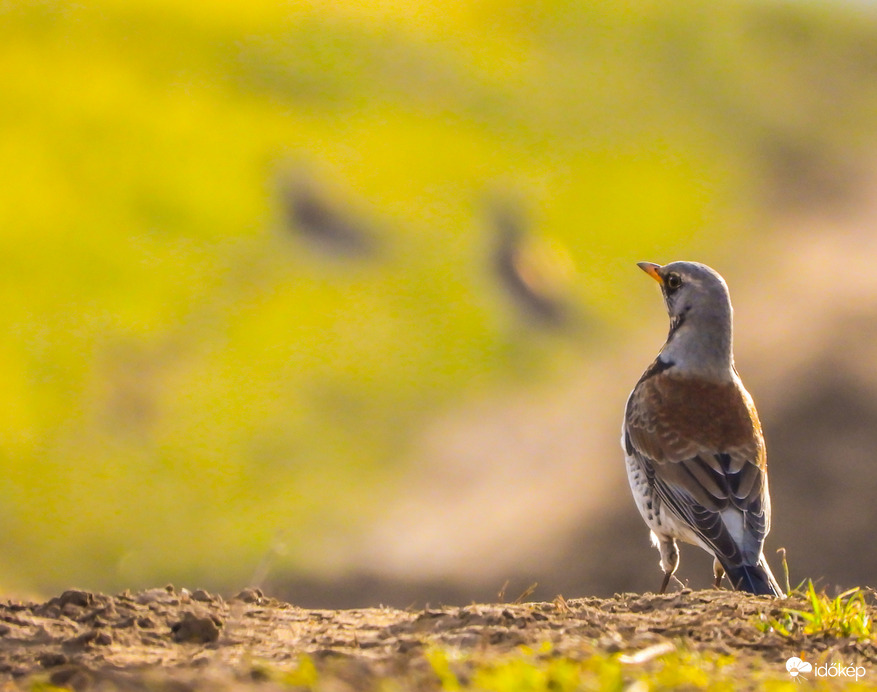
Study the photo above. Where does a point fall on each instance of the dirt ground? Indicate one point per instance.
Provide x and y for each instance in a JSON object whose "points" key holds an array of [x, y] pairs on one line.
{"points": [[176, 640]]}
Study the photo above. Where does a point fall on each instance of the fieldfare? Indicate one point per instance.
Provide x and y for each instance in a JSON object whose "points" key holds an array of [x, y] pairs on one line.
{"points": [[693, 444]]}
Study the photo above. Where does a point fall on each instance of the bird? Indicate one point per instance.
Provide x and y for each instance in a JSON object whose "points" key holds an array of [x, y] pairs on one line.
{"points": [[693, 444], [534, 274], [311, 213]]}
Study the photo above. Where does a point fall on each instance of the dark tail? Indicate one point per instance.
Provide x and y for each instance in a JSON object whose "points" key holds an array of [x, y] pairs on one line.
{"points": [[755, 579]]}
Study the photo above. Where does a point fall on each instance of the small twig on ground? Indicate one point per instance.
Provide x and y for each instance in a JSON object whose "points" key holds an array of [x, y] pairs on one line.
{"points": [[501, 595], [527, 592], [782, 552]]}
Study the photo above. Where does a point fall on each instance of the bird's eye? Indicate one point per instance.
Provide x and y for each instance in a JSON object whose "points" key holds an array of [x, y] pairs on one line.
{"points": [[674, 281]]}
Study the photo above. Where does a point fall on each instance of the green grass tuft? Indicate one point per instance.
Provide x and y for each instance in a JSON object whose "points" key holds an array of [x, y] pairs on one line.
{"points": [[845, 615]]}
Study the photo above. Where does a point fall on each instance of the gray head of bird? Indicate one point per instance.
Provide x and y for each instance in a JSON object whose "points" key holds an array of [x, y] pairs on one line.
{"points": [[701, 318]]}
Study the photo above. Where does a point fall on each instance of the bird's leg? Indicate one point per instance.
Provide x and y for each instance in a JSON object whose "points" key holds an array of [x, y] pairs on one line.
{"points": [[718, 572], [669, 559], [665, 582]]}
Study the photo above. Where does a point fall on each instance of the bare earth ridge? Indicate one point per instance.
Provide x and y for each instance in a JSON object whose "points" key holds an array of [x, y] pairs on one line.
{"points": [[168, 639]]}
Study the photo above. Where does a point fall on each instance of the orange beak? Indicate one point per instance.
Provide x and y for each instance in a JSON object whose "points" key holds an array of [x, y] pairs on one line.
{"points": [[651, 269]]}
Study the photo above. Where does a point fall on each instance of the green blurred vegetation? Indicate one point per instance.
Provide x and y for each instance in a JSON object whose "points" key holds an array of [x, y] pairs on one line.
{"points": [[185, 379]]}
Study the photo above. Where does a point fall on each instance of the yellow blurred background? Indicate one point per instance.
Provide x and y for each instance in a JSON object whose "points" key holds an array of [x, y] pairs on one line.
{"points": [[340, 299]]}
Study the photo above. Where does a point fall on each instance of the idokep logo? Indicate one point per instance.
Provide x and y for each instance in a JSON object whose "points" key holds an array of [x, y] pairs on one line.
{"points": [[798, 667]]}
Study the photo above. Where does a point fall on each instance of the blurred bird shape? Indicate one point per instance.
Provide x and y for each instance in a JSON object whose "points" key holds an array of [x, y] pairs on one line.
{"points": [[693, 443], [323, 223], [534, 273]]}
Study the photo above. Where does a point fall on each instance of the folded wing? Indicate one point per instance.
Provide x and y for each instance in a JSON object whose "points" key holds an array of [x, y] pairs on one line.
{"points": [[700, 446]]}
